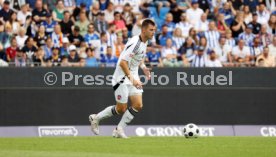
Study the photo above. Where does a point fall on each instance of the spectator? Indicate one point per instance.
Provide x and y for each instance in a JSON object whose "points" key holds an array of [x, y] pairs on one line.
{"points": [[91, 35], [221, 25], [51, 4], [162, 38], [57, 36], [265, 59], [256, 25], [272, 47], [82, 23], [212, 35], [15, 5], [229, 12], [184, 25], [29, 50], [39, 58], [247, 14], [109, 13], [5, 12], [169, 55], [21, 37], [20, 58], [94, 12], [223, 52], [272, 25], [73, 57], [111, 35], [78, 10], [176, 12], [125, 35], [102, 48], [213, 61], [91, 60], [100, 24], [255, 50], [108, 59], [252, 4], [30, 26], [64, 50], [76, 38], [55, 58], [118, 21], [237, 4], [14, 23], [40, 37], [58, 11], [3, 55], [177, 38], [205, 6], [241, 54], [202, 24], [169, 22], [263, 14], [69, 5], [264, 36], [247, 35], [136, 29], [88, 3], [49, 24], [271, 5], [11, 51], [199, 59], [128, 16], [23, 13], [48, 48], [66, 24], [154, 58], [203, 43], [119, 46], [194, 13], [187, 50], [238, 25], [39, 13]]}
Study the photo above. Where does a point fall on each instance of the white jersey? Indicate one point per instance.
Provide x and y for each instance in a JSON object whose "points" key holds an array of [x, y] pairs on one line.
{"points": [[134, 52]]}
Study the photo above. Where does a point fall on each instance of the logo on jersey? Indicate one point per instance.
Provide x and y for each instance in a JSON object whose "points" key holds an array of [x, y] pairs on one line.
{"points": [[119, 97]]}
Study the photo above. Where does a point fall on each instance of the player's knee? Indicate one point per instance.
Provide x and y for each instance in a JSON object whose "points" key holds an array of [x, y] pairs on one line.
{"points": [[121, 109], [138, 107]]}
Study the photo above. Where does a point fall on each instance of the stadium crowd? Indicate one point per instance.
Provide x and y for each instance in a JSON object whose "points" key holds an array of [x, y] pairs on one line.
{"points": [[92, 33]]}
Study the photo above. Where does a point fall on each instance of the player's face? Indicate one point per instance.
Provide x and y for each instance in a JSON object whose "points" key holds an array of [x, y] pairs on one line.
{"points": [[149, 31]]}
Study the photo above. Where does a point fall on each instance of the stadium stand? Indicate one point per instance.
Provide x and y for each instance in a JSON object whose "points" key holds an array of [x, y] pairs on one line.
{"points": [[93, 33]]}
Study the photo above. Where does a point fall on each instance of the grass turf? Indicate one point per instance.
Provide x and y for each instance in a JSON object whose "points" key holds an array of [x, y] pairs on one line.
{"points": [[138, 147]]}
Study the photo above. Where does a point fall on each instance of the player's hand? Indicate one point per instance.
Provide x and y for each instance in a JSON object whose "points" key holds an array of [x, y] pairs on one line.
{"points": [[137, 84], [147, 72]]}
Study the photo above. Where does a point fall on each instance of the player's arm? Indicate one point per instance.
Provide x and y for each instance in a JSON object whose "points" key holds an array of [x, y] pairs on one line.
{"points": [[125, 68], [145, 69]]}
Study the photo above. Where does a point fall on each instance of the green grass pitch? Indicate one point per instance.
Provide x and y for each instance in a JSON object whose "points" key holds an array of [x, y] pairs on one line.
{"points": [[138, 147]]}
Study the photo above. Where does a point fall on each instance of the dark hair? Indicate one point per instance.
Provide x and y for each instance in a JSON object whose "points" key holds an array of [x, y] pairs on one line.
{"points": [[103, 34], [147, 22], [89, 48], [28, 39], [66, 11], [116, 12]]}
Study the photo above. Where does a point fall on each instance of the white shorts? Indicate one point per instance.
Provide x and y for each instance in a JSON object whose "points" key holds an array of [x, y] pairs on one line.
{"points": [[124, 91]]}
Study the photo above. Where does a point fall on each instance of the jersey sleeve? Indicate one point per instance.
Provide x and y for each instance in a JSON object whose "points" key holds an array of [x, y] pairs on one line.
{"points": [[129, 50]]}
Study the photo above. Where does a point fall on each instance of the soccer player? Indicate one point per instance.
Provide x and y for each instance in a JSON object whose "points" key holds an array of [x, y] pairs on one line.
{"points": [[126, 82]]}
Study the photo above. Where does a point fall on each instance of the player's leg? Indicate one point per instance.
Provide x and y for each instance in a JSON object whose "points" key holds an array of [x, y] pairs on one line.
{"points": [[136, 106], [131, 112], [121, 96]]}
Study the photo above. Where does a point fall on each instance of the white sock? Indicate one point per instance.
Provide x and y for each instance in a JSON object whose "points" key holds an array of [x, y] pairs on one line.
{"points": [[106, 113], [127, 117]]}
